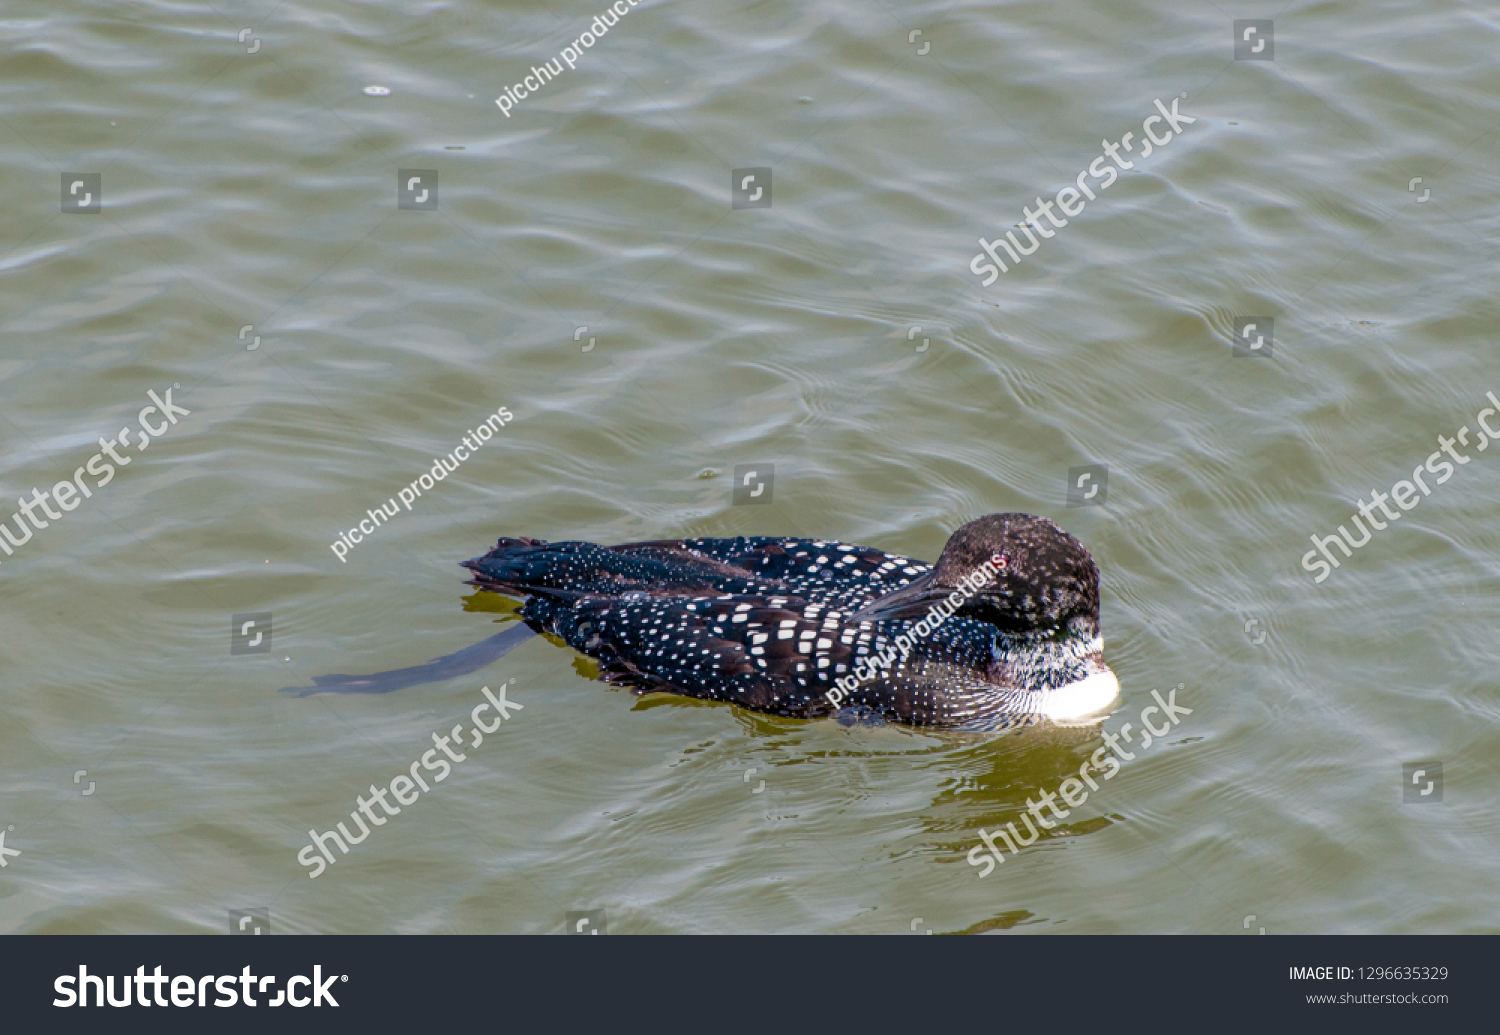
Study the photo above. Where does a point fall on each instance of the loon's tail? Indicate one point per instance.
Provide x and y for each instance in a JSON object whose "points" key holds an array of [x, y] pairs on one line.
{"points": [[567, 571], [517, 565]]}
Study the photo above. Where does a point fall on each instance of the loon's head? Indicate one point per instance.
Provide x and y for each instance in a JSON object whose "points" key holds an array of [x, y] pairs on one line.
{"points": [[1033, 580]]}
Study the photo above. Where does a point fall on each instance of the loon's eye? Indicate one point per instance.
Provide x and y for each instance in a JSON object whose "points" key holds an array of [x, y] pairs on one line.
{"points": [[1000, 561]]}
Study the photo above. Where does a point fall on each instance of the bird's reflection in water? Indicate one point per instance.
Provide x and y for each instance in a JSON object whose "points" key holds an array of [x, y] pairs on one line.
{"points": [[1024, 790], [1012, 789]]}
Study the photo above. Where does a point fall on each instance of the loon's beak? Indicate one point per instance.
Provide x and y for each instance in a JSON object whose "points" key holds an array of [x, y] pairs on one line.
{"points": [[910, 601]]}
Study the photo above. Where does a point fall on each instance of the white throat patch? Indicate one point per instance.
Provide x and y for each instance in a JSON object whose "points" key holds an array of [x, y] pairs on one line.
{"points": [[1086, 697]]}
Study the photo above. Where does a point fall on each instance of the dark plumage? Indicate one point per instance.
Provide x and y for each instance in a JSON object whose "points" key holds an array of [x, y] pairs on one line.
{"points": [[771, 623]]}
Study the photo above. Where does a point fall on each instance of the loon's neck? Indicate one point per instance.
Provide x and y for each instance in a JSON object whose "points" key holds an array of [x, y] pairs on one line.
{"points": [[1047, 659]]}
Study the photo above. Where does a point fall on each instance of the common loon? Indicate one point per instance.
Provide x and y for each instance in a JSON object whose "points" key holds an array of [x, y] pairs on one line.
{"points": [[771, 623]]}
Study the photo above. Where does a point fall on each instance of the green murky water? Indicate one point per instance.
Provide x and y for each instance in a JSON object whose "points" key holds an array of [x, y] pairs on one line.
{"points": [[584, 267]]}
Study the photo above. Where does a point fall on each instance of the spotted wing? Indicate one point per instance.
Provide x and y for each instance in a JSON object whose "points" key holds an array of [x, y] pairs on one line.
{"points": [[778, 654]]}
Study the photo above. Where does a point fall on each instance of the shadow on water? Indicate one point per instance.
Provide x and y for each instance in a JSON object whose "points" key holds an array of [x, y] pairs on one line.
{"points": [[460, 663]]}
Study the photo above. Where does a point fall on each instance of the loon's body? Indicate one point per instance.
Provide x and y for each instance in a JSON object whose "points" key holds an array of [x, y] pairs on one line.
{"points": [[772, 623]]}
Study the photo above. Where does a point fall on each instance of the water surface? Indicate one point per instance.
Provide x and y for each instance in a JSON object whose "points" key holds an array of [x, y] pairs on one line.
{"points": [[259, 190]]}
